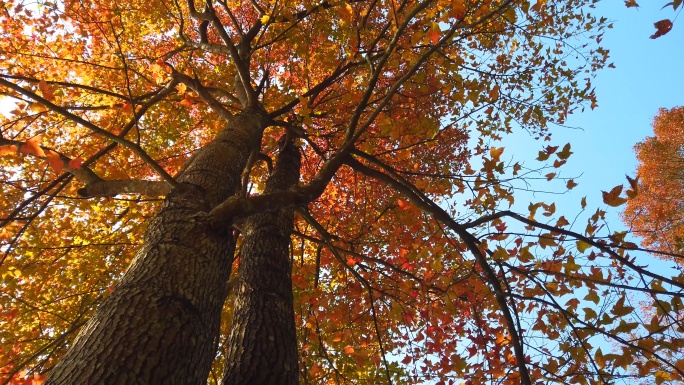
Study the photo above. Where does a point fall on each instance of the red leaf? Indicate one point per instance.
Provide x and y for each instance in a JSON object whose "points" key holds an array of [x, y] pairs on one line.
{"points": [[76, 163]]}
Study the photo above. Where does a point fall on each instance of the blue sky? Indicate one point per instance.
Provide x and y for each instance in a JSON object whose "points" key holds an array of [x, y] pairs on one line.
{"points": [[648, 76]]}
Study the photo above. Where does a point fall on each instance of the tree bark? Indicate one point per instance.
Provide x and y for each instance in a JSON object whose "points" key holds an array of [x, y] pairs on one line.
{"points": [[160, 324], [262, 344]]}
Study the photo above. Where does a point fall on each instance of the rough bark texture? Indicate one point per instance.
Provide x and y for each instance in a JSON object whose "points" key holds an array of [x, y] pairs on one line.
{"points": [[160, 324], [262, 345]]}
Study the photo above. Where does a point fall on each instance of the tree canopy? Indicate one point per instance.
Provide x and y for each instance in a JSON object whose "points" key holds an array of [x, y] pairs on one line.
{"points": [[656, 213], [407, 263]]}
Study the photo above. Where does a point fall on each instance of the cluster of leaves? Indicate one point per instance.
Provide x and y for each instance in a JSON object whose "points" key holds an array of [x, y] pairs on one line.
{"points": [[407, 268]]}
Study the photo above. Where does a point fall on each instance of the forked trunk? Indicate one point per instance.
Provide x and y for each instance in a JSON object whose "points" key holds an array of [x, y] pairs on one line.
{"points": [[160, 324]]}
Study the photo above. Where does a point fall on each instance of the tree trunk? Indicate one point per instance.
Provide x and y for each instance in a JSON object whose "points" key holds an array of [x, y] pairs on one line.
{"points": [[262, 345], [160, 324]]}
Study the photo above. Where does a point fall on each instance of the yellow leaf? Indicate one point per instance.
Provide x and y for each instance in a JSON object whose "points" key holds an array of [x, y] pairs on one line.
{"points": [[582, 246], [37, 107], [495, 153], [661, 376], [264, 19]]}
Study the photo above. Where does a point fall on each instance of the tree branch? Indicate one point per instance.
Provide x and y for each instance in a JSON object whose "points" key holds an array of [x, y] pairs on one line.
{"points": [[106, 134]]}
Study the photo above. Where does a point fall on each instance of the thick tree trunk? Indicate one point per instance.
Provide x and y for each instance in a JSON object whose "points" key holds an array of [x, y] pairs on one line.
{"points": [[262, 345], [160, 324]]}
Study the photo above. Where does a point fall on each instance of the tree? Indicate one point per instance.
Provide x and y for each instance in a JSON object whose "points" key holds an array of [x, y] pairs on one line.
{"points": [[396, 108], [656, 212]]}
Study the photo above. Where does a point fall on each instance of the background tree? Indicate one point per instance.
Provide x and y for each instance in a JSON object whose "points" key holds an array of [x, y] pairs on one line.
{"points": [[656, 212], [405, 266]]}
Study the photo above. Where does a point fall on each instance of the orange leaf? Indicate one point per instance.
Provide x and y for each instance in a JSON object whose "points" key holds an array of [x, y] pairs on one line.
{"points": [[495, 153], [54, 161], [348, 349], [46, 90], [8, 149], [186, 102], [32, 147]]}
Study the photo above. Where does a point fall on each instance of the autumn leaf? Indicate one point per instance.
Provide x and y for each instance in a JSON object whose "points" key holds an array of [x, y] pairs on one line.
{"points": [[8, 149], [495, 153], [571, 184], [662, 28], [565, 152], [76, 163], [613, 198], [46, 90], [494, 93], [434, 33], [54, 160], [582, 246], [32, 147]]}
